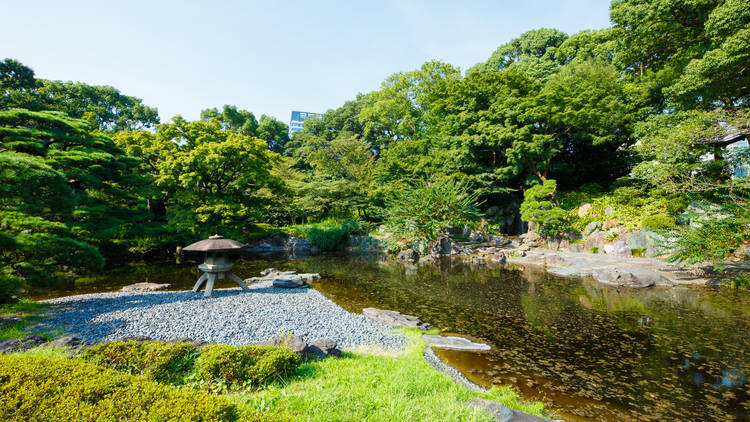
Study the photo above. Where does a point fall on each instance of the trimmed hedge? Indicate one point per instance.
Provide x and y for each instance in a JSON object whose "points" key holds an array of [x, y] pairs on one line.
{"points": [[36, 388], [156, 360], [244, 366]]}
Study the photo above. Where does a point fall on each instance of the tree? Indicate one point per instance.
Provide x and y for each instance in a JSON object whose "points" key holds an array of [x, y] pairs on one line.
{"points": [[534, 53], [15, 76], [232, 119], [274, 132], [79, 201], [102, 106]]}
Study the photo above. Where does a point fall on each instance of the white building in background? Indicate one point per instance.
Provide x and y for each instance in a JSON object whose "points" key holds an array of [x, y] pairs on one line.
{"points": [[295, 124]]}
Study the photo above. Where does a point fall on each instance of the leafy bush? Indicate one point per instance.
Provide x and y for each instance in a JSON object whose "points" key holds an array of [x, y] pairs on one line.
{"points": [[156, 360], [427, 209], [37, 388], [329, 239], [244, 366], [658, 222], [741, 281]]}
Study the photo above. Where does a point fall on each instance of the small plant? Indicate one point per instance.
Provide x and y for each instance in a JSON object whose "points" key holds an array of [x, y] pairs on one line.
{"points": [[595, 249], [638, 251], [239, 367], [740, 282], [658, 222]]}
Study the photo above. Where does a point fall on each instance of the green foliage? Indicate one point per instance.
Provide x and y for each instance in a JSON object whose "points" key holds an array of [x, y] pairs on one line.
{"points": [[36, 388], [658, 222], [238, 367], [156, 360], [740, 281], [540, 206], [715, 238], [425, 210]]}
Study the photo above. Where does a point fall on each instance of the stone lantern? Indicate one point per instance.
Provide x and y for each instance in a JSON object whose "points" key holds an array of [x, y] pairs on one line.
{"points": [[217, 261]]}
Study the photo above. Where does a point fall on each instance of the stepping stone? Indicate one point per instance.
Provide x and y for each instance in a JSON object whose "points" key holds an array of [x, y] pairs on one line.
{"points": [[290, 282], [502, 413], [453, 342]]}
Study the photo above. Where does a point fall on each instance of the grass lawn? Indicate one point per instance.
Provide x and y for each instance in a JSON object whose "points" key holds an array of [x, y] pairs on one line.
{"points": [[375, 386]]}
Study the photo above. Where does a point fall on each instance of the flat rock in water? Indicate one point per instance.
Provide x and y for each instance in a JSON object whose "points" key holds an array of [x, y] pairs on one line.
{"points": [[145, 287], [394, 319], [453, 342], [501, 413], [289, 282]]}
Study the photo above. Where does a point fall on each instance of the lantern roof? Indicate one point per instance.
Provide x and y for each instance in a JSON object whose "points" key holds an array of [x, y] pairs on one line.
{"points": [[214, 243]]}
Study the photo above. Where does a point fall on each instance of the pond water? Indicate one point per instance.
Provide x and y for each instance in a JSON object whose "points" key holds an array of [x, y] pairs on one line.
{"points": [[588, 351]]}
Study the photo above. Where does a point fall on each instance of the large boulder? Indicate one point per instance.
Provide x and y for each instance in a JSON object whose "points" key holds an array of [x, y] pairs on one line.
{"points": [[591, 228], [394, 319], [145, 287], [596, 240], [553, 243], [323, 348], [611, 223], [533, 240], [622, 250], [66, 342], [294, 342], [408, 255], [443, 245], [499, 241]]}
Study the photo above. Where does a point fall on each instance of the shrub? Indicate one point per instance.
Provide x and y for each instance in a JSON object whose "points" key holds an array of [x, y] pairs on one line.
{"points": [[330, 238], [741, 281], [37, 388], [156, 360], [638, 251], [425, 210], [658, 222], [540, 206], [245, 366]]}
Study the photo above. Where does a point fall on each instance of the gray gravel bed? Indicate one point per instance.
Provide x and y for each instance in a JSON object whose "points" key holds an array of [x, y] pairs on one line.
{"points": [[230, 316]]}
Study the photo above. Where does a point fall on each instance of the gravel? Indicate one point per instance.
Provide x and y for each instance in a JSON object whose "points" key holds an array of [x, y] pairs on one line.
{"points": [[229, 316]]}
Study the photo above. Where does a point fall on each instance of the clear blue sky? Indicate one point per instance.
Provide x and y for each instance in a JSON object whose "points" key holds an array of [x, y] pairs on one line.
{"points": [[267, 57]]}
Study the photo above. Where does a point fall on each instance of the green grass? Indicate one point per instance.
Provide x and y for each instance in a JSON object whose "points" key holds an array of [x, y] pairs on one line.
{"points": [[375, 386], [25, 308]]}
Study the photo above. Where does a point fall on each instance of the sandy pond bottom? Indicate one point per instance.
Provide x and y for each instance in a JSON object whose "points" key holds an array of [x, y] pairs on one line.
{"points": [[590, 352]]}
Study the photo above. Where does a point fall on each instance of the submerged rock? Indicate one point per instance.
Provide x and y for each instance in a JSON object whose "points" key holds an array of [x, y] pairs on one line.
{"points": [[454, 342], [394, 319], [290, 282]]}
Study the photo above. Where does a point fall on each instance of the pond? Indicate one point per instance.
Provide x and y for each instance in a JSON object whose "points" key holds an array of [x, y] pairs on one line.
{"points": [[588, 351]]}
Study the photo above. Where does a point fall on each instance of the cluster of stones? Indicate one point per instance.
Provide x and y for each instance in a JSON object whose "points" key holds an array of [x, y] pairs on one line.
{"points": [[318, 349], [284, 279]]}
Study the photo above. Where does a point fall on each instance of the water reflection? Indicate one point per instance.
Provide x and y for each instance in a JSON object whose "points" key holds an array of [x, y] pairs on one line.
{"points": [[592, 353]]}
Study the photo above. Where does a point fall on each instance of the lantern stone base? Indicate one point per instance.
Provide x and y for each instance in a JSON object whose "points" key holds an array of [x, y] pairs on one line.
{"points": [[213, 272]]}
